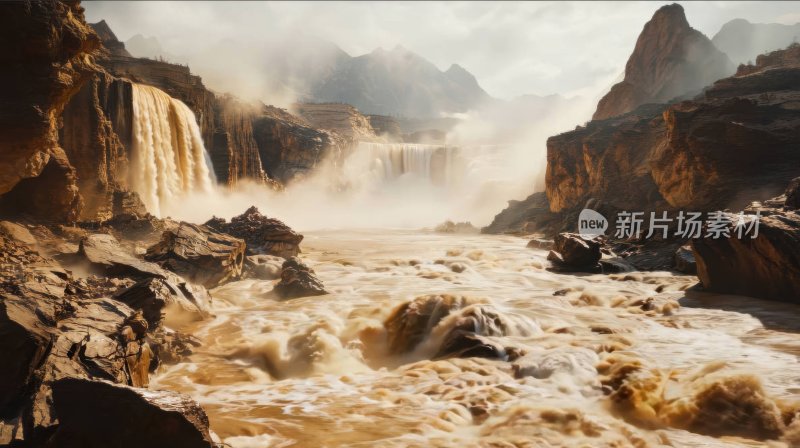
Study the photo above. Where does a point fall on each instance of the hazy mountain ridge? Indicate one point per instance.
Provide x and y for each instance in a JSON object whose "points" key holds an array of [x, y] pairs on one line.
{"points": [[742, 40]]}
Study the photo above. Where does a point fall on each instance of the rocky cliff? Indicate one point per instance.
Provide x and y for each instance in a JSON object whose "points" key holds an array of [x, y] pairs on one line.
{"points": [[341, 118], [47, 59], [733, 144], [670, 59], [97, 131], [289, 146], [234, 151]]}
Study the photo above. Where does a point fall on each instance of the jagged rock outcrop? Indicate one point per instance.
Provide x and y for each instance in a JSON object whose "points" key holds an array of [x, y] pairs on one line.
{"points": [[54, 328], [46, 61], [109, 39], [670, 59], [298, 280], [199, 254], [263, 235], [288, 146], [766, 266], [743, 41], [527, 216], [97, 414]]}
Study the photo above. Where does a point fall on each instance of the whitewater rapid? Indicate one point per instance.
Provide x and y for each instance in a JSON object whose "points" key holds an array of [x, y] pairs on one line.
{"points": [[314, 372]]}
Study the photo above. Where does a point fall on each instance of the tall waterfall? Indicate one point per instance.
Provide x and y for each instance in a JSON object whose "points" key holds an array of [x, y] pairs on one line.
{"points": [[168, 159]]}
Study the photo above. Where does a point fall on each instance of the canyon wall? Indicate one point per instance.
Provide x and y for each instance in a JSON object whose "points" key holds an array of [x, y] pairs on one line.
{"points": [[736, 142], [84, 104], [47, 59]]}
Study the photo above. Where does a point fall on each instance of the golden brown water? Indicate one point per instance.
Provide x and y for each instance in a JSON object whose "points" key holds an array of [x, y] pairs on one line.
{"points": [[604, 366]]}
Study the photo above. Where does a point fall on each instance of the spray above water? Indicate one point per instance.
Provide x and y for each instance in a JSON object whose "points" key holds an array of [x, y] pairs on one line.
{"points": [[168, 159]]}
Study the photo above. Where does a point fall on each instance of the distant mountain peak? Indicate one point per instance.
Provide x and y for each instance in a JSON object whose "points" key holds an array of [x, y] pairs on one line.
{"points": [[670, 59]]}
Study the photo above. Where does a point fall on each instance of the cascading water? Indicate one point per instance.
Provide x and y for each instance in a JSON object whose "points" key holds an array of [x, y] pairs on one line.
{"points": [[168, 159], [392, 160]]}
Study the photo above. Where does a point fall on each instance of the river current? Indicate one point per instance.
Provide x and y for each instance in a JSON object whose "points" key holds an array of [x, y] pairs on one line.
{"points": [[632, 359]]}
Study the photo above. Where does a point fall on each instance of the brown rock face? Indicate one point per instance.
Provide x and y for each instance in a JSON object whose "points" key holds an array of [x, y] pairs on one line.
{"points": [[199, 254], [95, 414], [234, 152], [54, 328], [606, 160], [767, 266], [289, 147], [670, 59], [47, 60]]}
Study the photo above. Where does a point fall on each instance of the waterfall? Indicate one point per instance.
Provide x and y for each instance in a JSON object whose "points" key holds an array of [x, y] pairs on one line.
{"points": [[392, 160], [168, 159]]}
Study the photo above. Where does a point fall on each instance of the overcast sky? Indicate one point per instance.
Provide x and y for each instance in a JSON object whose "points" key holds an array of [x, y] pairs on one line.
{"points": [[512, 48]]}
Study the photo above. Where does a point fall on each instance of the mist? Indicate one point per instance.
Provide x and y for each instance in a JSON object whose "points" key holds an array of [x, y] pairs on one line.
{"points": [[272, 52]]}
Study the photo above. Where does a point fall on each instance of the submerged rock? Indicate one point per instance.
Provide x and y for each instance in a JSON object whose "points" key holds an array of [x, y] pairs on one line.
{"points": [[456, 227], [471, 333], [263, 235], [99, 414], [412, 322], [684, 260], [199, 254], [298, 280], [540, 243], [263, 267]]}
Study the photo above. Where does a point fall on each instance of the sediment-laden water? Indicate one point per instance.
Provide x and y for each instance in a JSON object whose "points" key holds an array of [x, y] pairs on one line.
{"points": [[608, 360], [168, 159]]}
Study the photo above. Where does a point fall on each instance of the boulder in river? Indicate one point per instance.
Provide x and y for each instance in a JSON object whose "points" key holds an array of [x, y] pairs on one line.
{"points": [[263, 235], [199, 254], [100, 414], [570, 251], [298, 280]]}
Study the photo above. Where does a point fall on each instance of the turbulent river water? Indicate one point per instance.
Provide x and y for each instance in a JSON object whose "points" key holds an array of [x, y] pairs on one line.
{"points": [[701, 369]]}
